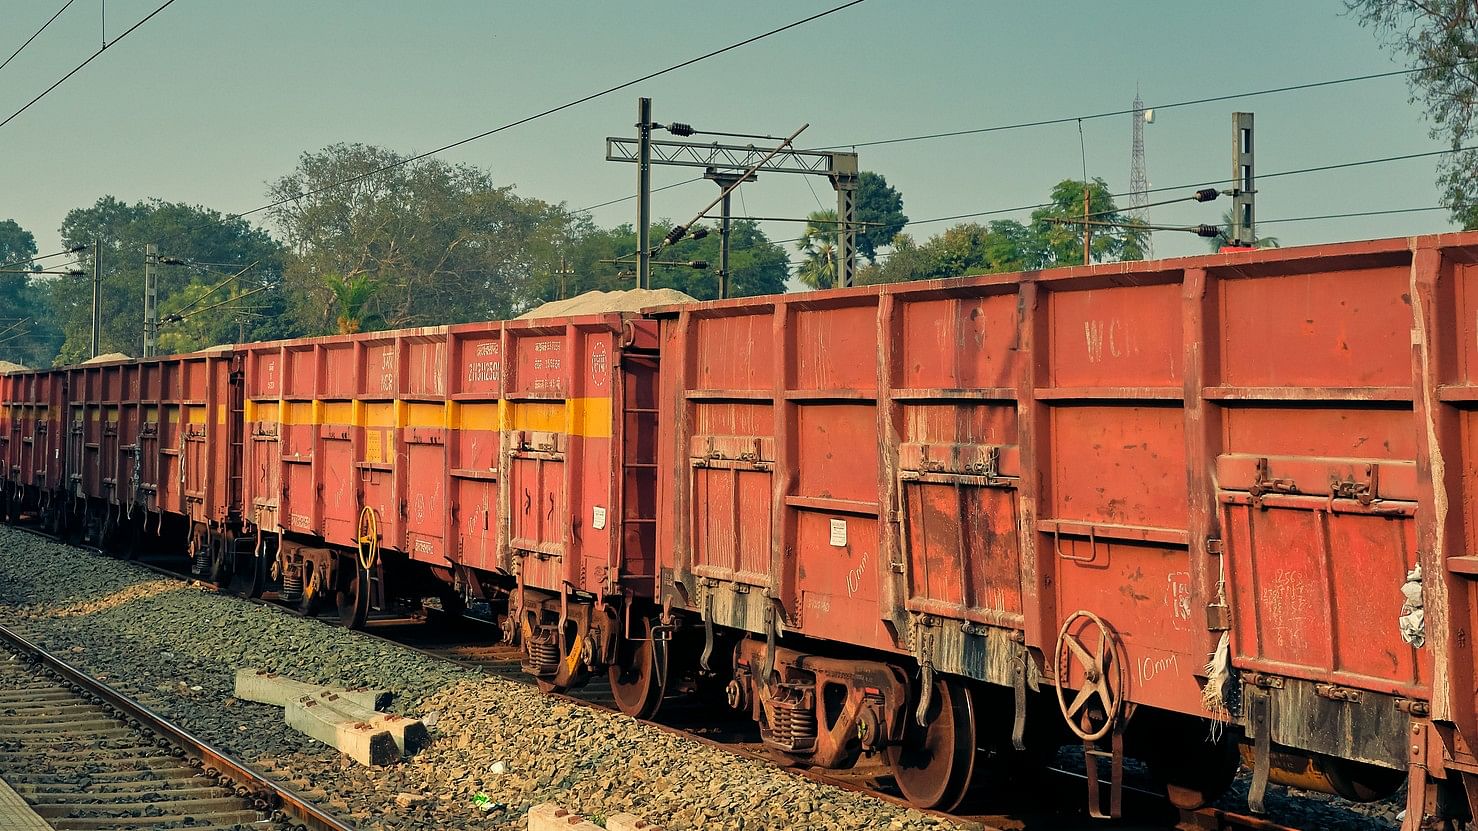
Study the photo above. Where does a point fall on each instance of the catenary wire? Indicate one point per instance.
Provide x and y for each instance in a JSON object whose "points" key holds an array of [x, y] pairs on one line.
{"points": [[34, 259], [552, 110], [1111, 113], [101, 50], [526, 119], [1080, 118], [22, 47]]}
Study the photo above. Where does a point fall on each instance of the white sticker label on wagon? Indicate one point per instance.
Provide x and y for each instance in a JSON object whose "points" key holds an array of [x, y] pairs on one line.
{"points": [[839, 533], [598, 517]]}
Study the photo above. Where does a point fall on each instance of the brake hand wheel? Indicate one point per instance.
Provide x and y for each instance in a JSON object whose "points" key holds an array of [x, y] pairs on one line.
{"points": [[1103, 676]]}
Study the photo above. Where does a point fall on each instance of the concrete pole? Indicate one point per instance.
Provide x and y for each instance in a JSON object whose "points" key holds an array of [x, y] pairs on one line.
{"points": [[151, 301], [97, 296], [644, 194]]}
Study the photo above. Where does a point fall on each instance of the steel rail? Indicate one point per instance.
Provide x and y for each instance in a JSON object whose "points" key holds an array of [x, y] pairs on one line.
{"points": [[288, 801]]}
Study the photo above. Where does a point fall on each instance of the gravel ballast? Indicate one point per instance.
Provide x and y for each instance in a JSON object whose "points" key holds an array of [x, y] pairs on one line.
{"points": [[176, 647]]}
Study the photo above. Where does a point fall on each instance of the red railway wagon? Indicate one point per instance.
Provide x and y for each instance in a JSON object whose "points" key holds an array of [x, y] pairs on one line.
{"points": [[1218, 488], [140, 446], [514, 460], [31, 444], [157, 441], [131, 444]]}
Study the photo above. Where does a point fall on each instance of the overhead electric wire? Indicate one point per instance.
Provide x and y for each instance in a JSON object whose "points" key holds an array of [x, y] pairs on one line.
{"points": [[1079, 118], [176, 318], [552, 110], [526, 119], [1260, 176], [630, 197], [90, 58], [34, 259], [1345, 215], [22, 47], [1111, 113]]}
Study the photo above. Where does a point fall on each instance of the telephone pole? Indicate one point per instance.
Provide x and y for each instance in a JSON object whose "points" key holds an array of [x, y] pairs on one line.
{"points": [[97, 295]]}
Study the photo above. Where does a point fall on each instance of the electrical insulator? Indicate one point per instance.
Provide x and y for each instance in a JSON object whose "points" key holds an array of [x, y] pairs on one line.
{"points": [[677, 128], [676, 234], [698, 264], [1206, 195], [700, 232], [1208, 231]]}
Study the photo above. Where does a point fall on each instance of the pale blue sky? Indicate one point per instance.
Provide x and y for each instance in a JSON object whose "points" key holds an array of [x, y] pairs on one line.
{"points": [[212, 99]]}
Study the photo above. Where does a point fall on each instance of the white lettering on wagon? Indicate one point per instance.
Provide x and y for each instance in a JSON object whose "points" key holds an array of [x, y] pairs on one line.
{"points": [[1113, 334], [599, 363], [1151, 668], [484, 372], [854, 576]]}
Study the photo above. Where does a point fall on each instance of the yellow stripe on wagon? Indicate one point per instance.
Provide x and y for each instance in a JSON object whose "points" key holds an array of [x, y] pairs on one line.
{"points": [[587, 417]]}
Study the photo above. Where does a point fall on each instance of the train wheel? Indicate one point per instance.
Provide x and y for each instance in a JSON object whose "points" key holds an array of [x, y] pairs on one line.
{"points": [[639, 673], [353, 597], [221, 566], [934, 765]]}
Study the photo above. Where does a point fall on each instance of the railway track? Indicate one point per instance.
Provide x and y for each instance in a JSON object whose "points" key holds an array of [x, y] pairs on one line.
{"points": [[85, 757], [1057, 804]]}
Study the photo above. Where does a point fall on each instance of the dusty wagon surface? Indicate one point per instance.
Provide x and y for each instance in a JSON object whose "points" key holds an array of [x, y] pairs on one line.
{"points": [[514, 461], [1231, 487], [112, 450]]}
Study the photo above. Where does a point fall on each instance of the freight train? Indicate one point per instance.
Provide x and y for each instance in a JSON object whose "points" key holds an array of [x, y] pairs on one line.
{"points": [[1200, 511]]}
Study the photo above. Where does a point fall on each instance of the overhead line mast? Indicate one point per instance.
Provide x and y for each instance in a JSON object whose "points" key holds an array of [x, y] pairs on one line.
{"points": [[1139, 183]]}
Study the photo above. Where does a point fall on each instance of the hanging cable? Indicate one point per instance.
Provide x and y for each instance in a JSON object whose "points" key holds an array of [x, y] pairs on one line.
{"points": [[22, 47], [90, 58]]}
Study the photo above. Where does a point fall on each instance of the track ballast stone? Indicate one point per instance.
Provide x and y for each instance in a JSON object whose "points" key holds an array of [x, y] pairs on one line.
{"points": [[498, 747]]}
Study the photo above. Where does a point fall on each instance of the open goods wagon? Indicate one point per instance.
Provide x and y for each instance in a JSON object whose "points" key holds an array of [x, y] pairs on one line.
{"points": [[513, 460], [1145, 495], [112, 451]]}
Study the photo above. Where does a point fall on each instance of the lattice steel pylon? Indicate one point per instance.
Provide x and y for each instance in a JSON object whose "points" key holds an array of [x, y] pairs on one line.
{"points": [[1139, 182]]}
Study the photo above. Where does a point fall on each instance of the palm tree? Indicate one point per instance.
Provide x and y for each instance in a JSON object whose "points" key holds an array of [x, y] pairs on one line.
{"points": [[818, 243], [1218, 241], [352, 296]]}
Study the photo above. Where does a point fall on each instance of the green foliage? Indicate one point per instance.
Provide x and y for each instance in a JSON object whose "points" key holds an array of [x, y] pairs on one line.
{"points": [[1441, 37], [186, 232], [818, 243], [26, 336], [1008, 245], [877, 201], [435, 242], [757, 265], [351, 301]]}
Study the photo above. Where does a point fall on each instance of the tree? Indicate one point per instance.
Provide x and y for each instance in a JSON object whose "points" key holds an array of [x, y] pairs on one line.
{"points": [[1441, 39], [1008, 245], [434, 242], [879, 202], [186, 232], [26, 334], [756, 265], [818, 244]]}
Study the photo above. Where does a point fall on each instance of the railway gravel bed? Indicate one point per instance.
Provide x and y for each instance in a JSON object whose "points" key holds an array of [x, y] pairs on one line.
{"points": [[84, 768], [175, 648]]}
